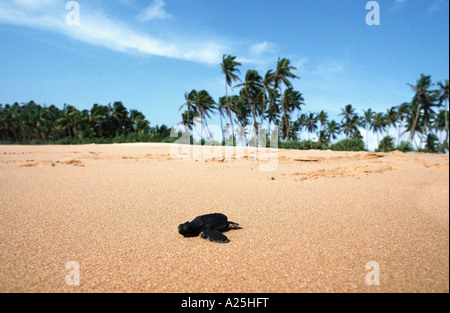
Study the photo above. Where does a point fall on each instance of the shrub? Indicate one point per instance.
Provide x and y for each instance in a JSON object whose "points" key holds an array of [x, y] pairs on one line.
{"points": [[386, 145], [432, 143], [301, 145], [292, 144], [405, 147], [352, 144], [312, 145]]}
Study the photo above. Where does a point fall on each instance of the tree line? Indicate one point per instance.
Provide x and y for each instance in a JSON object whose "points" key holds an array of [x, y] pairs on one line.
{"points": [[271, 100], [31, 123], [260, 100]]}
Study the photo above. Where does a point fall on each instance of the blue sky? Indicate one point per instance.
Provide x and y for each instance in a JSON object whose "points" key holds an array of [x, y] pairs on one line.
{"points": [[149, 53]]}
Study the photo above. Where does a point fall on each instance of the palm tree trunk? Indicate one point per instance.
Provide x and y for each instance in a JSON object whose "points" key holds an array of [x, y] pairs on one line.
{"points": [[254, 117], [286, 126], [413, 129], [423, 133], [367, 138], [207, 129], [264, 106], [229, 111], [221, 127], [188, 123], [69, 130], [205, 125], [285, 115], [446, 122]]}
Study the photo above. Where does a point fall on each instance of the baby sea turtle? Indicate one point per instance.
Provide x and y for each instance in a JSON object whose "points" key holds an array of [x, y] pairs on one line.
{"points": [[208, 227]]}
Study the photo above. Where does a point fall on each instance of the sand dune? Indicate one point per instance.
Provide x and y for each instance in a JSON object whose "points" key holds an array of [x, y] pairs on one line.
{"points": [[312, 225]]}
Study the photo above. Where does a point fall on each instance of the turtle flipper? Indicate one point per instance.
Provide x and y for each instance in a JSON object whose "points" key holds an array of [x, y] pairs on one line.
{"points": [[214, 236], [232, 225]]}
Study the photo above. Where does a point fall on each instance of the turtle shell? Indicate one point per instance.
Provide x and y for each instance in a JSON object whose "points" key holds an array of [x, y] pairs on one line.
{"points": [[213, 221]]}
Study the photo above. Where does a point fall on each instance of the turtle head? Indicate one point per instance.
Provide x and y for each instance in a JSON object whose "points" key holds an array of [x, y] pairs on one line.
{"points": [[188, 230]]}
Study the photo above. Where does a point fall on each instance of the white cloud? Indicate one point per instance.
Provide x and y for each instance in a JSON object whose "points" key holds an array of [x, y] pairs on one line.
{"points": [[35, 5], [398, 4], [328, 68], [438, 5], [126, 2], [261, 48], [98, 29], [154, 11], [300, 65]]}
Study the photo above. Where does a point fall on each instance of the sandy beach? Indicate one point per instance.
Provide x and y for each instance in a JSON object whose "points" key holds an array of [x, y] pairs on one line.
{"points": [[312, 225]]}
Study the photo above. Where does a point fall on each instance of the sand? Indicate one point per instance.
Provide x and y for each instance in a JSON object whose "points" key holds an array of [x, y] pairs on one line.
{"points": [[312, 225]]}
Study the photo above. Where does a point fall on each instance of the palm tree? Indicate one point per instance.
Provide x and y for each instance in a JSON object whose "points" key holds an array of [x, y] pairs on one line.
{"points": [[367, 120], [3, 124], [242, 112], [301, 122], [422, 101], [283, 126], [379, 124], [85, 130], [229, 68], [188, 119], [333, 129], [391, 118], [402, 113], [280, 77], [190, 108], [273, 111], [69, 120], [17, 125], [139, 124], [98, 117], [350, 121], [30, 116], [250, 90], [30, 121], [444, 98], [413, 122], [54, 128], [222, 108], [119, 114], [429, 114], [311, 124], [205, 105], [322, 118], [431, 144], [324, 137], [439, 123], [291, 101], [272, 114], [268, 89]]}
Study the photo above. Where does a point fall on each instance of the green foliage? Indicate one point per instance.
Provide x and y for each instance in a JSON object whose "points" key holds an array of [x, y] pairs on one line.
{"points": [[352, 144], [33, 124], [386, 145], [432, 144], [405, 146], [262, 100], [312, 145], [302, 145], [291, 144]]}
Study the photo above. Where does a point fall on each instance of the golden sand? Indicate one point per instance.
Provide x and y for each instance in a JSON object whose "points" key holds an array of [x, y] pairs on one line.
{"points": [[312, 225]]}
